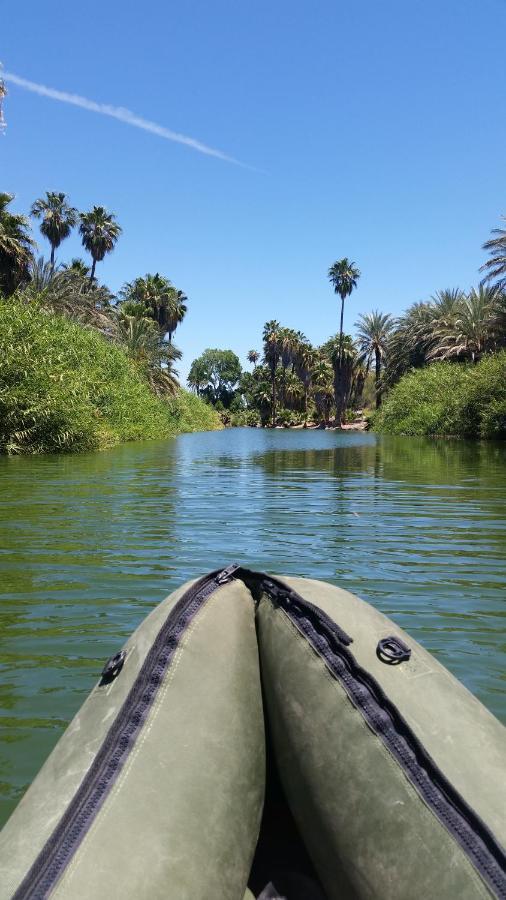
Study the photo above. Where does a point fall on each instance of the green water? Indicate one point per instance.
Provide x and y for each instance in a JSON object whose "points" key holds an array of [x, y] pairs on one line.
{"points": [[90, 543]]}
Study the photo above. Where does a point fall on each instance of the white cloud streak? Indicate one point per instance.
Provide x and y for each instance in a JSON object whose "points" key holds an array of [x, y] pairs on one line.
{"points": [[121, 114]]}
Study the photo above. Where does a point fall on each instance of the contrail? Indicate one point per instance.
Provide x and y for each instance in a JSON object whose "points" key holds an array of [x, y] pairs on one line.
{"points": [[120, 113]]}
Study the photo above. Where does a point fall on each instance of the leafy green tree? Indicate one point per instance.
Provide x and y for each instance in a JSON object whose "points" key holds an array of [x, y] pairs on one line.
{"points": [[343, 275], [16, 247], [99, 232], [58, 218], [495, 267], [214, 375], [374, 330]]}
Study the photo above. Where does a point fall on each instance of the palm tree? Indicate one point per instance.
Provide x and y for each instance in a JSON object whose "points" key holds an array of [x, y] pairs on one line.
{"points": [[410, 342], [165, 303], [58, 218], [66, 291], [272, 354], [343, 275], [322, 389], [140, 335], [374, 330], [343, 356], [78, 266], [176, 310], [495, 267], [472, 329], [253, 357], [16, 247], [304, 363], [99, 233]]}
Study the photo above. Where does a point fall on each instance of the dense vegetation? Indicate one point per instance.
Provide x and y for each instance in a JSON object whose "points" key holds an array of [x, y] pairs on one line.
{"points": [[448, 399], [80, 367], [65, 387], [454, 339]]}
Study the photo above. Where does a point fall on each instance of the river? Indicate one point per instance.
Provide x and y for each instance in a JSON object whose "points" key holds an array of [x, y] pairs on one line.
{"points": [[90, 543]]}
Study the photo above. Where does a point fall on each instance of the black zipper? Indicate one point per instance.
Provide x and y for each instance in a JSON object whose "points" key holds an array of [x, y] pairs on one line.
{"points": [[383, 717], [58, 851]]}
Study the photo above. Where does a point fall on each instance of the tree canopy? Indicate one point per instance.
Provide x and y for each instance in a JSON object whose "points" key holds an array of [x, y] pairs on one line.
{"points": [[214, 375]]}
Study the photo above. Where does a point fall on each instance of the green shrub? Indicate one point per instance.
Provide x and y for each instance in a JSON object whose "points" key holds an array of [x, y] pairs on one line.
{"points": [[64, 387], [448, 399], [249, 417]]}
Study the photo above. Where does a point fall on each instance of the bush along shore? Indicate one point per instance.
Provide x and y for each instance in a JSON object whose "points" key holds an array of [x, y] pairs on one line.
{"points": [[447, 399], [66, 387]]}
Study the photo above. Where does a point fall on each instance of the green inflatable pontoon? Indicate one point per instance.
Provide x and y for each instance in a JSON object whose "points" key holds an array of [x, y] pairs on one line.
{"points": [[268, 738]]}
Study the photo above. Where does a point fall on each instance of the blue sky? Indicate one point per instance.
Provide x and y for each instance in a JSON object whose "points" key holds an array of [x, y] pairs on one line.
{"points": [[374, 130]]}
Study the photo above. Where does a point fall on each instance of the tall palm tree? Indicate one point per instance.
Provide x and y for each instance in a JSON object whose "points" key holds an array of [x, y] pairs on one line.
{"points": [[374, 330], [495, 267], [16, 247], [58, 218], [272, 355], [253, 357], [99, 232], [343, 275]]}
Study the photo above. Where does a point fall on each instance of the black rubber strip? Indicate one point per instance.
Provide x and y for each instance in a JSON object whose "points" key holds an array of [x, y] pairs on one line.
{"points": [[57, 853], [383, 717]]}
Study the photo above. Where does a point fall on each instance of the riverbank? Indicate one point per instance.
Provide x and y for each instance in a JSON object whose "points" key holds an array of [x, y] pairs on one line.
{"points": [[448, 399], [67, 388]]}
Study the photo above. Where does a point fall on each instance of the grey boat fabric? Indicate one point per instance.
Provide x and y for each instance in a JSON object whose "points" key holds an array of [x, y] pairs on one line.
{"points": [[182, 818]]}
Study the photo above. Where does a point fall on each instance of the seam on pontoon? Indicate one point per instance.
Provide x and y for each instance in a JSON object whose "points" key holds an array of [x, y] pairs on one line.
{"points": [[389, 758], [106, 809]]}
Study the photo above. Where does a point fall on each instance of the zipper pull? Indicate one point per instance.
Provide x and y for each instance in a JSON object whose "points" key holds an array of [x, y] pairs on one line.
{"points": [[226, 574]]}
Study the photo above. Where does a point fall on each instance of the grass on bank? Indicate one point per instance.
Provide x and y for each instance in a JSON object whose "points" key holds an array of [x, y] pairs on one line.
{"points": [[449, 398], [64, 387]]}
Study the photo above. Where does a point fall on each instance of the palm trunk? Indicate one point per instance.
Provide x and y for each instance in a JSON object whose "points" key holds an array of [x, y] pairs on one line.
{"points": [[338, 383], [378, 377], [92, 273], [341, 329], [305, 406], [273, 400], [52, 257]]}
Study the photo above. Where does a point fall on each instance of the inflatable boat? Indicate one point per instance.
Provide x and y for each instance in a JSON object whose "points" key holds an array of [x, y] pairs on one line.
{"points": [[265, 737]]}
